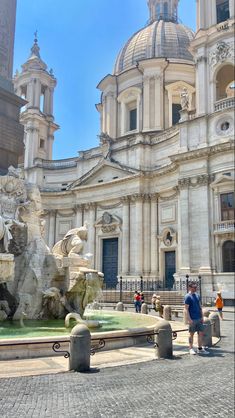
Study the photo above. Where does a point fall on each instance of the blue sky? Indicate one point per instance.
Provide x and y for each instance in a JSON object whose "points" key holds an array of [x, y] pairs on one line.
{"points": [[80, 40]]}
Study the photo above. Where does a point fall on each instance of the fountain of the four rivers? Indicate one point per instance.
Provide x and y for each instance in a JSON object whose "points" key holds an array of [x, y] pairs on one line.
{"points": [[36, 284]]}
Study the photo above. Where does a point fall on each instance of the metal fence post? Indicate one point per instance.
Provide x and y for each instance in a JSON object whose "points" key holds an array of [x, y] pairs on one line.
{"points": [[187, 277], [120, 289], [200, 286]]}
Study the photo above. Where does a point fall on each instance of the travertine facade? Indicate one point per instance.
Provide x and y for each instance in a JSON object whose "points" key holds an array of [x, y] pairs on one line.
{"points": [[157, 192]]}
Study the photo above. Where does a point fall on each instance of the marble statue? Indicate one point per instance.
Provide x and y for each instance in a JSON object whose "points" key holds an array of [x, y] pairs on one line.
{"points": [[184, 97], [72, 244]]}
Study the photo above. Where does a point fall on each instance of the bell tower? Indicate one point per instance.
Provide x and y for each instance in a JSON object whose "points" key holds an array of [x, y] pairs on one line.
{"points": [[36, 85], [166, 10]]}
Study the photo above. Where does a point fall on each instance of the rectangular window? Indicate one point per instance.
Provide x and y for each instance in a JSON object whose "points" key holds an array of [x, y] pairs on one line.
{"points": [[133, 119], [227, 206], [42, 143], [176, 113], [222, 10]]}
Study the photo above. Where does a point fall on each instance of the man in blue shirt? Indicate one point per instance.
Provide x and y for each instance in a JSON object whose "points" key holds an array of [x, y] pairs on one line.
{"points": [[194, 317]]}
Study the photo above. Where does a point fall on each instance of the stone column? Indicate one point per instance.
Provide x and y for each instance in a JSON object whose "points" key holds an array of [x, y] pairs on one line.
{"points": [[31, 146], [51, 101], [170, 108], [125, 235], [231, 8], [213, 12], [146, 235], [154, 250], [7, 24], [201, 82], [50, 141], [146, 122], [139, 234], [158, 102], [109, 113], [184, 231], [123, 118], [37, 94], [52, 228], [30, 93], [46, 104]]}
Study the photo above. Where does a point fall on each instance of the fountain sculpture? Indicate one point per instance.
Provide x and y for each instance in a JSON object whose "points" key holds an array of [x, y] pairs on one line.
{"points": [[35, 282]]}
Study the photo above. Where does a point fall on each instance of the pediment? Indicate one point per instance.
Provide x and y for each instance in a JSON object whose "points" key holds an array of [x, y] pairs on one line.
{"points": [[103, 172], [108, 223], [222, 180]]}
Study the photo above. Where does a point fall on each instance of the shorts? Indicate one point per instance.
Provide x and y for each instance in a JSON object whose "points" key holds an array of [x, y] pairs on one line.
{"points": [[219, 309], [196, 326]]}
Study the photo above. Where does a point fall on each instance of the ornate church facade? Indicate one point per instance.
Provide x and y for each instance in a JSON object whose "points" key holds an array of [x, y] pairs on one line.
{"points": [[158, 190]]}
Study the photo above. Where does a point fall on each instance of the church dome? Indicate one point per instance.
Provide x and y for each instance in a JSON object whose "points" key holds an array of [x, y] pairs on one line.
{"points": [[160, 39]]}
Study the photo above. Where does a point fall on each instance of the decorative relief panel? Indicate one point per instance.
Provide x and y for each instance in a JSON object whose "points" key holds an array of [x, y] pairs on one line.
{"points": [[64, 227], [222, 52], [168, 213]]}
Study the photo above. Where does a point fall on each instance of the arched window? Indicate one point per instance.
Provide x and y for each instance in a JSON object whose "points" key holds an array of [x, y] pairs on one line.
{"points": [[158, 11], [165, 10], [222, 10], [224, 78], [228, 253]]}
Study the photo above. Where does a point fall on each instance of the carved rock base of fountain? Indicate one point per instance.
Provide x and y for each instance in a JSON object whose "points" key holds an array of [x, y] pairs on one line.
{"points": [[7, 267]]}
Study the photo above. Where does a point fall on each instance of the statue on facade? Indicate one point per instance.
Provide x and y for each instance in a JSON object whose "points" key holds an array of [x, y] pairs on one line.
{"points": [[184, 97]]}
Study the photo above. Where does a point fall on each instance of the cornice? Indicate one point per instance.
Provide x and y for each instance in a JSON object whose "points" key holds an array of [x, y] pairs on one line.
{"points": [[202, 152]]}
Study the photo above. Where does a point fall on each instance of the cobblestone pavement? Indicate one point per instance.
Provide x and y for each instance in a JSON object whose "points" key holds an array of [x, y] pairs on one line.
{"points": [[191, 386]]}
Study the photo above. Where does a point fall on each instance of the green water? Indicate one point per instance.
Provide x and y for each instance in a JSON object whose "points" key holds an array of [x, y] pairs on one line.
{"points": [[55, 327]]}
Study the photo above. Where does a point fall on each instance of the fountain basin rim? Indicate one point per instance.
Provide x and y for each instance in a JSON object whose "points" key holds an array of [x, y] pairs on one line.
{"points": [[35, 347]]}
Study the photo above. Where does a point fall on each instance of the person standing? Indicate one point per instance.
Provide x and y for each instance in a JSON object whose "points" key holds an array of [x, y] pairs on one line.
{"points": [[137, 302], [194, 318], [219, 303]]}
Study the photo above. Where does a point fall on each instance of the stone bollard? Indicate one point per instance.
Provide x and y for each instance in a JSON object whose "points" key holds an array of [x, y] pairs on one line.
{"points": [[80, 347], [215, 323], [167, 313], [205, 312], [163, 340], [144, 308], [207, 333], [120, 307]]}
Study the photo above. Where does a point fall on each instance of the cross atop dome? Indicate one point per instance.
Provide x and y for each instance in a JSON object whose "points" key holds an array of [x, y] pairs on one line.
{"points": [[166, 10]]}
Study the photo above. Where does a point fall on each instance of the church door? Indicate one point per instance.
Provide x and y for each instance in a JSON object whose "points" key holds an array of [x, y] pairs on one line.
{"points": [[110, 262], [229, 257], [169, 268]]}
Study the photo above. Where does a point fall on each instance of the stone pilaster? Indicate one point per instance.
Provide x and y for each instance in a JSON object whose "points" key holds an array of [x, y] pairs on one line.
{"points": [[90, 216], [146, 234], [154, 241], [184, 230], [78, 216], [139, 233], [125, 235], [146, 122]]}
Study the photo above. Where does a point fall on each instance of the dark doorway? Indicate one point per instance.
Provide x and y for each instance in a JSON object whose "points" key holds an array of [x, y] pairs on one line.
{"points": [[228, 257], [110, 262], [169, 268]]}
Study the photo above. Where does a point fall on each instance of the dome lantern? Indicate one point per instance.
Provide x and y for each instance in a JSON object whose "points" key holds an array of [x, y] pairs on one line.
{"points": [[166, 10]]}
